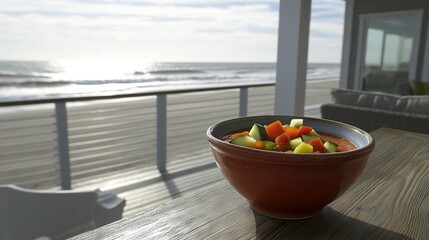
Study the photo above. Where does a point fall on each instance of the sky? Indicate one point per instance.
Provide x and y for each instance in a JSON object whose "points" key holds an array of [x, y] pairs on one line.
{"points": [[159, 30]]}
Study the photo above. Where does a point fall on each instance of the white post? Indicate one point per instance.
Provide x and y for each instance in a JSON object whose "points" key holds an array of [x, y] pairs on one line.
{"points": [[63, 144], [243, 101], [161, 132], [294, 28]]}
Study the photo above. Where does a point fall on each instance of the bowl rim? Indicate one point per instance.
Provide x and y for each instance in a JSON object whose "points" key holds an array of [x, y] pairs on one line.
{"points": [[368, 148]]}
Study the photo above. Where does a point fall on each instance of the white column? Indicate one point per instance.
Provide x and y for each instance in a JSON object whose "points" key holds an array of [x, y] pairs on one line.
{"points": [[425, 69], [345, 81], [294, 28]]}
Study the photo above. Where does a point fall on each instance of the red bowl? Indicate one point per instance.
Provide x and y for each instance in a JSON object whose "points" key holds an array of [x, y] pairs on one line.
{"points": [[285, 185]]}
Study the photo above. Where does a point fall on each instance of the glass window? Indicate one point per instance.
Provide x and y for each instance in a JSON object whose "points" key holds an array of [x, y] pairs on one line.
{"points": [[389, 57]]}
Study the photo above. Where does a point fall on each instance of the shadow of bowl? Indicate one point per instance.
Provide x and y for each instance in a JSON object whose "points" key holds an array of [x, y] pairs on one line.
{"points": [[329, 224]]}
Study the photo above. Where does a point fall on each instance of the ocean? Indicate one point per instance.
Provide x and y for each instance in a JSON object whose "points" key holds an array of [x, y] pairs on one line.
{"points": [[50, 79]]}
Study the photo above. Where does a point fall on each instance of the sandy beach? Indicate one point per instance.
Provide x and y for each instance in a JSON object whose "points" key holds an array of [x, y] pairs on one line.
{"points": [[318, 92]]}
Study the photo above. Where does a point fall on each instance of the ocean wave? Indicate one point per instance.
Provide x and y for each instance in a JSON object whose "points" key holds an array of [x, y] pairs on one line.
{"points": [[202, 79], [20, 75], [245, 72], [34, 84], [39, 82], [171, 71], [58, 83]]}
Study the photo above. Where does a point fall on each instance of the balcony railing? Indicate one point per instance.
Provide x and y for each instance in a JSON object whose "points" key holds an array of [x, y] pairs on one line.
{"points": [[63, 142]]}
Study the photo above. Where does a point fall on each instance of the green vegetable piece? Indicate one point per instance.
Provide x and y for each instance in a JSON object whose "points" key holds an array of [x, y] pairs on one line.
{"points": [[303, 148], [244, 140], [297, 122], [295, 142], [258, 132], [314, 133], [307, 138], [330, 146], [269, 145]]}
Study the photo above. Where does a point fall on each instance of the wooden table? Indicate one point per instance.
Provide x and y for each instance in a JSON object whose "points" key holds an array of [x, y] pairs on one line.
{"points": [[389, 201]]}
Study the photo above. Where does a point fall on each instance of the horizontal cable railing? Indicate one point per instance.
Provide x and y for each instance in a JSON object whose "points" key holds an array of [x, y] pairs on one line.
{"points": [[76, 142]]}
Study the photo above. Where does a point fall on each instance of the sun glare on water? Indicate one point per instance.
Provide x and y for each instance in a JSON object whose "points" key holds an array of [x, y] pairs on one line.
{"points": [[99, 69]]}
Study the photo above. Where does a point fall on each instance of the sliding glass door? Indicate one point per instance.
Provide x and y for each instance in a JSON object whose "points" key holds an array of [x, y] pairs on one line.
{"points": [[387, 51]]}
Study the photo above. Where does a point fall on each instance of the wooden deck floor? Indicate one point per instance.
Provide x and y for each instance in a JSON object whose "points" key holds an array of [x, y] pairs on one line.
{"points": [[149, 188]]}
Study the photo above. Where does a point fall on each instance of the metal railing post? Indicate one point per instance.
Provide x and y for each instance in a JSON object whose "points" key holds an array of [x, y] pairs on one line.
{"points": [[63, 144], [161, 127], [243, 101]]}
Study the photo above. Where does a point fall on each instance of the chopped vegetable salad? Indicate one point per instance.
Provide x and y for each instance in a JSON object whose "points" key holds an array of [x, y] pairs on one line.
{"points": [[294, 137]]}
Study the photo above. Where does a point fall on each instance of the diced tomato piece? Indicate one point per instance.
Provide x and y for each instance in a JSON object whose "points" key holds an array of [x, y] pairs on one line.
{"points": [[304, 130], [274, 130], [284, 138], [236, 135], [291, 132], [318, 145], [282, 147], [260, 144]]}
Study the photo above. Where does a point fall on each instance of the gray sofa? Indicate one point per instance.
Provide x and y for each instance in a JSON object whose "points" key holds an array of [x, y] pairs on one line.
{"points": [[372, 110]]}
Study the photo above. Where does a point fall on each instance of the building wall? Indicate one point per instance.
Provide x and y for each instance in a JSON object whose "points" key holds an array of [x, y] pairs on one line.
{"points": [[378, 6]]}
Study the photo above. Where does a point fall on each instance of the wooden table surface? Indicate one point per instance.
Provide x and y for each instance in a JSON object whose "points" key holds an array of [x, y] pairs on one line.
{"points": [[390, 200]]}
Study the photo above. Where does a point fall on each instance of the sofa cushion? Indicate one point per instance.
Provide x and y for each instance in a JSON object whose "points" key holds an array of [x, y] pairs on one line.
{"points": [[380, 100]]}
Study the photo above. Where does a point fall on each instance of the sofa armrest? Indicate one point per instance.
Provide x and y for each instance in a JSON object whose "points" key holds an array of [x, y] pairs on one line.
{"points": [[370, 119]]}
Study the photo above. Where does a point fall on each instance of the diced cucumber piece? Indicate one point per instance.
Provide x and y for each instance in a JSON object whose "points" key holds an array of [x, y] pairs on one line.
{"points": [[303, 148], [330, 146], [270, 145], [297, 122], [295, 142], [244, 140], [307, 138], [258, 132], [314, 133]]}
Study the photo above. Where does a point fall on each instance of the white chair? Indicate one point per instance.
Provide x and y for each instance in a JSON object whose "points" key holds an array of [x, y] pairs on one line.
{"points": [[29, 214]]}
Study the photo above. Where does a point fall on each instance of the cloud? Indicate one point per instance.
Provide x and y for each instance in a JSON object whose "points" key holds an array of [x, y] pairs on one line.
{"points": [[168, 30], [326, 31]]}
